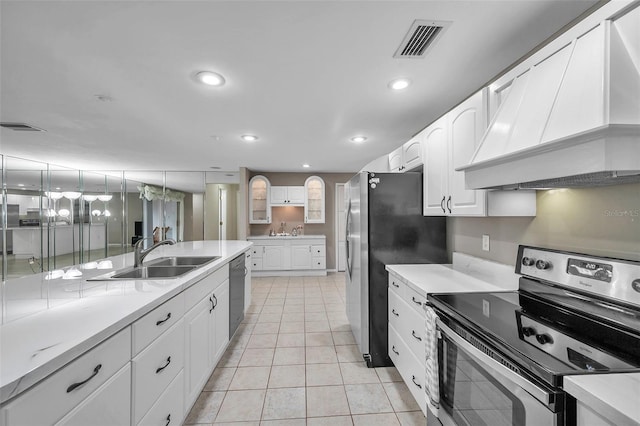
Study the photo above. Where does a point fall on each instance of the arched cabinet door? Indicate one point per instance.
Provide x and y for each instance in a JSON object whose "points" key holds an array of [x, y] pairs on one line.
{"points": [[314, 199], [259, 203]]}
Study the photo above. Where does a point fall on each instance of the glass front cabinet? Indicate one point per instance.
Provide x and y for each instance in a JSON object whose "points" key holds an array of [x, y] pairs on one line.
{"points": [[314, 200], [259, 204]]}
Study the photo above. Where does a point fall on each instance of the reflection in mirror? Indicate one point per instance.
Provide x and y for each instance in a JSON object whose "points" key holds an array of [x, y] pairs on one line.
{"points": [[184, 202], [113, 213], [21, 219], [65, 229], [149, 188]]}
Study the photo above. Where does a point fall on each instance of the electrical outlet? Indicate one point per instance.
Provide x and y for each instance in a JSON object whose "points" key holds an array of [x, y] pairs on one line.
{"points": [[485, 242]]}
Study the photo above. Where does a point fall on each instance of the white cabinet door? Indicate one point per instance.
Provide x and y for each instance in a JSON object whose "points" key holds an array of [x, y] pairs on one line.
{"points": [[220, 322], [295, 195], [259, 200], [412, 153], [435, 168], [108, 405], [247, 280], [278, 194], [301, 256], [273, 257], [197, 343], [314, 200], [466, 124], [395, 161]]}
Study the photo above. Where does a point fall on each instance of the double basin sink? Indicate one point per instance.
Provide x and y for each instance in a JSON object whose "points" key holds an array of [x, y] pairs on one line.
{"points": [[161, 268]]}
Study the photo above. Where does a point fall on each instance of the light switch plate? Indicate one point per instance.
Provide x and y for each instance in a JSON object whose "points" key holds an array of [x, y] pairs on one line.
{"points": [[485, 242]]}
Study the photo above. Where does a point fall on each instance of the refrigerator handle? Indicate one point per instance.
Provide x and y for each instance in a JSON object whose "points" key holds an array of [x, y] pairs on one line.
{"points": [[347, 237]]}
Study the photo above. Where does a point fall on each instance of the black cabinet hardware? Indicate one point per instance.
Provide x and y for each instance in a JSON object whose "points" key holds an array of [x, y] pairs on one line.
{"points": [[164, 366], [413, 333], [77, 385], [164, 320]]}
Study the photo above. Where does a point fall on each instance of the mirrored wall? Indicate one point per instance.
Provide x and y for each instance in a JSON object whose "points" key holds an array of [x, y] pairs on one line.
{"points": [[54, 217]]}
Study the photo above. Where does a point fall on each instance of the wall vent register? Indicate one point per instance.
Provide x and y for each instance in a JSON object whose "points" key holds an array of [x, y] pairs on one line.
{"points": [[421, 36]]}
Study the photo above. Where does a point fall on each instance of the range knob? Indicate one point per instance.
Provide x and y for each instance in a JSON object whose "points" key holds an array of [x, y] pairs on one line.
{"points": [[528, 331], [544, 338], [543, 264], [527, 261]]}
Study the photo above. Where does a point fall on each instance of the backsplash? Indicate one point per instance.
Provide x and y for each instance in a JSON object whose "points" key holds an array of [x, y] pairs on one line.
{"points": [[602, 221]]}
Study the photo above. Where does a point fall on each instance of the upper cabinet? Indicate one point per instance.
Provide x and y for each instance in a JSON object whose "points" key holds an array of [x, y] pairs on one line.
{"points": [[408, 156], [450, 142], [259, 202], [314, 200], [287, 195]]}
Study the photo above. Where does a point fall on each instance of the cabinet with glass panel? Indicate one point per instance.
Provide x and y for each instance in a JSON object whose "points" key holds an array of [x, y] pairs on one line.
{"points": [[314, 200]]}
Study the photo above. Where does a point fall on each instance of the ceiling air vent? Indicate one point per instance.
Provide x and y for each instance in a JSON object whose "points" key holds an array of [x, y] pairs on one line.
{"points": [[21, 127], [421, 36]]}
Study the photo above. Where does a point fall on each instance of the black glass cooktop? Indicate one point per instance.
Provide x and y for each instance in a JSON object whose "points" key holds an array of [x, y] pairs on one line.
{"points": [[548, 337]]}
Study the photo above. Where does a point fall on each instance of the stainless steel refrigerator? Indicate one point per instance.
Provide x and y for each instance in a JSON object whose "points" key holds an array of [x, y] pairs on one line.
{"points": [[385, 226]]}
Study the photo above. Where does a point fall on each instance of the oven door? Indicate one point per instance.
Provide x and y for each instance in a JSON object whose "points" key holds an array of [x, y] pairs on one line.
{"points": [[477, 390]]}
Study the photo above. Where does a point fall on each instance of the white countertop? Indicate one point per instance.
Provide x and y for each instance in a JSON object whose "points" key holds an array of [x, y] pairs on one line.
{"points": [[283, 237], [616, 397], [73, 315], [461, 276]]}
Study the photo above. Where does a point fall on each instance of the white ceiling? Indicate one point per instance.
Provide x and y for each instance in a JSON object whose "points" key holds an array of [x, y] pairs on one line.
{"points": [[304, 76]]}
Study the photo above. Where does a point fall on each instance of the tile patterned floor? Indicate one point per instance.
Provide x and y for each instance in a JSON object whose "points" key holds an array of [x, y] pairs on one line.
{"points": [[293, 361]]}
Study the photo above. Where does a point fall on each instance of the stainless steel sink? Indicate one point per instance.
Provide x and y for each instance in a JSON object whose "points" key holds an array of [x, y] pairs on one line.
{"points": [[182, 261], [152, 271]]}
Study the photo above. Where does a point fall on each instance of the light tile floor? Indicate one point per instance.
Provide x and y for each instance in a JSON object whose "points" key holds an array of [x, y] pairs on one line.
{"points": [[293, 361]]}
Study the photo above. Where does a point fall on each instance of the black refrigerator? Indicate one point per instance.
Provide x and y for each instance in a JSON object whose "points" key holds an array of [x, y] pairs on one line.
{"points": [[384, 226]]}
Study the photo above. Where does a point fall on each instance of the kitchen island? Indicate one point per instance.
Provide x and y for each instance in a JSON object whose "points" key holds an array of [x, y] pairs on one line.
{"points": [[64, 319]]}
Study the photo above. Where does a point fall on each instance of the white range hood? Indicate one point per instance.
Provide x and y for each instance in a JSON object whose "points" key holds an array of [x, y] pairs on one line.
{"points": [[570, 116]]}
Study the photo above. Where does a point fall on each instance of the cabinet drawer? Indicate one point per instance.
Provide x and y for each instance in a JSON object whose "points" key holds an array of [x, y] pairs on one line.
{"points": [[319, 263], [206, 285], [412, 371], [395, 310], [318, 250], [156, 322], [397, 285], [415, 299], [108, 405], [256, 264], [413, 330], [168, 409], [155, 367], [51, 399], [256, 251]]}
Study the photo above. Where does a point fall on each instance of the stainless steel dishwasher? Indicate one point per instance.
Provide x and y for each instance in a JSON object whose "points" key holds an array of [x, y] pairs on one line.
{"points": [[237, 271]]}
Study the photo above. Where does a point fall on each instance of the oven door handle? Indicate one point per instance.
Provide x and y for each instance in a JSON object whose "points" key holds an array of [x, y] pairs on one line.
{"points": [[500, 372]]}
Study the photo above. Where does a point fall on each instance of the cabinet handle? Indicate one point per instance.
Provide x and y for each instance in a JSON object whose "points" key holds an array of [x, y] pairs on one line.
{"points": [[168, 420], [77, 385], [413, 379], [393, 283], [212, 305], [413, 333], [444, 197], [417, 302], [215, 299], [164, 320], [393, 311], [393, 348], [164, 366], [449, 203], [246, 271]]}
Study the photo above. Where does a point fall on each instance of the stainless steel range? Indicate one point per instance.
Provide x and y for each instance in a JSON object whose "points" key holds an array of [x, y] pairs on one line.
{"points": [[502, 356]]}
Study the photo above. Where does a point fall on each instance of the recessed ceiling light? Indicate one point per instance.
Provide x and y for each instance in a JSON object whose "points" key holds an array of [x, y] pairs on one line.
{"points": [[210, 78], [358, 139], [399, 84], [249, 138], [306, 166]]}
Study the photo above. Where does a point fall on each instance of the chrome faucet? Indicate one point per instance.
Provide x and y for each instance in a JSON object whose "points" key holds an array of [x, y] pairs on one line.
{"points": [[139, 253]]}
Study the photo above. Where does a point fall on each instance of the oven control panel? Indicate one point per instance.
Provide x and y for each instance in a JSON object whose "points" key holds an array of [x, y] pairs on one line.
{"points": [[612, 278], [566, 349]]}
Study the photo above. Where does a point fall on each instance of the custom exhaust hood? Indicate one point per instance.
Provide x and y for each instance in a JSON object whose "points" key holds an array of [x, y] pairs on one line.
{"points": [[571, 118]]}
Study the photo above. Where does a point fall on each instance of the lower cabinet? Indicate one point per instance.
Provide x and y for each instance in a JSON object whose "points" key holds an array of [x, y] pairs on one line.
{"points": [[86, 384], [407, 333], [206, 337], [288, 256], [149, 373]]}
